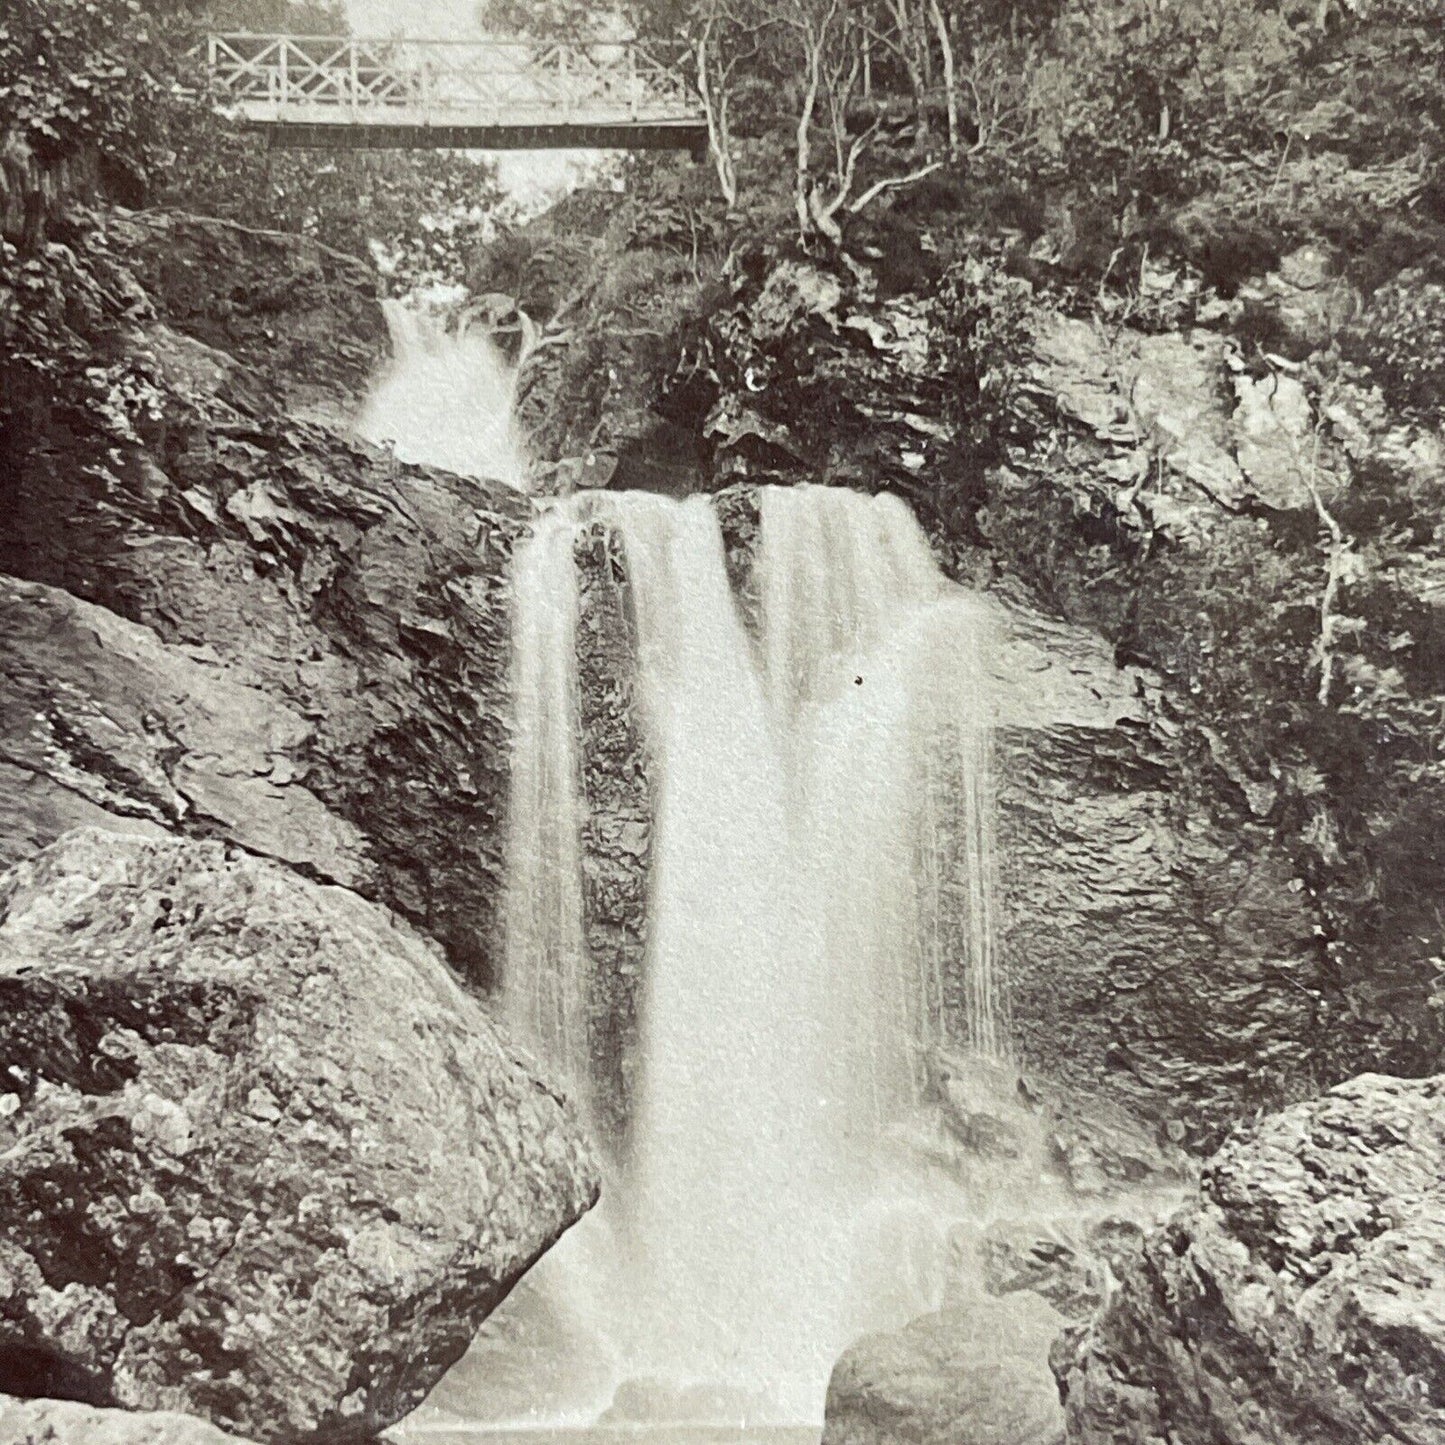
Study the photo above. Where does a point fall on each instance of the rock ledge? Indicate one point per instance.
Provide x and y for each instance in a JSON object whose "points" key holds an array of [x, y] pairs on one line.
{"points": [[1301, 1299]]}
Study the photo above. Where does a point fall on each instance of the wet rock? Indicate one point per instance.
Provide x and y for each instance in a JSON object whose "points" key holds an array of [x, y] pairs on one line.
{"points": [[62, 1422], [1071, 1262], [1161, 967], [980, 1106], [977, 1373], [616, 831], [650, 1401], [1301, 1298], [1100, 1150], [262, 1160], [1015, 1257], [291, 317]]}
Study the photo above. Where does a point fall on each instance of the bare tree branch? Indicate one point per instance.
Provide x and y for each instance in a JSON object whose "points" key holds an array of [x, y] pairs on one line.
{"points": [[891, 183]]}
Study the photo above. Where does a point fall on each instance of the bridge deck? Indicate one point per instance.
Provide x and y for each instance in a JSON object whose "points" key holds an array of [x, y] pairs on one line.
{"points": [[328, 91]]}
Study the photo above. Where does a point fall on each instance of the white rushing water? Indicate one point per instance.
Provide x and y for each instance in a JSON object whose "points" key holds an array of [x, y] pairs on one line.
{"points": [[545, 963], [447, 398], [821, 865]]}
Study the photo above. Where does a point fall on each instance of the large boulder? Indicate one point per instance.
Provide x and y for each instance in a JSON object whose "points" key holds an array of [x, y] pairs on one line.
{"points": [[1301, 1299], [62, 1422], [261, 1159], [973, 1374]]}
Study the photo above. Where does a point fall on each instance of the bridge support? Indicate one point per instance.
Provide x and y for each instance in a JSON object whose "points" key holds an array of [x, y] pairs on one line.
{"points": [[325, 135]]}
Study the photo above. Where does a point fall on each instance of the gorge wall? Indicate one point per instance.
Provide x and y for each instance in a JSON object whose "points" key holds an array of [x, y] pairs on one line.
{"points": [[244, 624], [232, 619]]}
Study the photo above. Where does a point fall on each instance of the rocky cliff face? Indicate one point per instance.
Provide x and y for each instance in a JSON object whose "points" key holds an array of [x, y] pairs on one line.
{"points": [[1298, 1300], [285, 1166], [273, 634], [1156, 952], [261, 1159]]}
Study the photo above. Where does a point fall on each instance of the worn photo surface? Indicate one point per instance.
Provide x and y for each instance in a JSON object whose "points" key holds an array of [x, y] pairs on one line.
{"points": [[722, 722]]}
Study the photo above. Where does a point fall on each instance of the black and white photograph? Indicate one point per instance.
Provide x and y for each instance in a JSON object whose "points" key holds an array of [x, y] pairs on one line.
{"points": [[722, 722]]}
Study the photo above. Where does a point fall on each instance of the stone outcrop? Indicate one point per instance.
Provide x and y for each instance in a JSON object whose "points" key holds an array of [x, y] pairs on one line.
{"points": [[1298, 1300], [303, 647], [298, 322], [62, 1422], [977, 1372], [261, 1159], [616, 832], [1157, 955], [1070, 1261]]}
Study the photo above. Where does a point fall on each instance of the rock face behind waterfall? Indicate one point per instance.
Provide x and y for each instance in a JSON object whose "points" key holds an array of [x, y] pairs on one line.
{"points": [[261, 1159], [1156, 953], [1300, 1300]]}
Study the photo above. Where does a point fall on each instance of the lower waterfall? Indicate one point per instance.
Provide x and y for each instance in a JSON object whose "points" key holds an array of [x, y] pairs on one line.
{"points": [[818, 925]]}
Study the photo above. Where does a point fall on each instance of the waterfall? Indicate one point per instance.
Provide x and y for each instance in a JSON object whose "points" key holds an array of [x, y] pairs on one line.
{"points": [[545, 960], [446, 399], [820, 888]]}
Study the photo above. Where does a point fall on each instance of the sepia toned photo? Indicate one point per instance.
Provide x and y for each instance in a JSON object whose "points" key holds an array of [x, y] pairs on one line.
{"points": [[722, 722]]}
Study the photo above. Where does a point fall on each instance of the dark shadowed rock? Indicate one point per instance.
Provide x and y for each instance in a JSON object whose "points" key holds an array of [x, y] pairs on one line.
{"points": [[976, 1374], [62, 1422], [1300, 1300], [261, 1159], [1161, 964], [292, 317], [616, 832], [344, 612]]}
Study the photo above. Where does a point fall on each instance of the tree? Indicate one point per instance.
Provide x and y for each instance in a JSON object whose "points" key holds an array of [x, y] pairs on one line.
{"points": [[545, 19], [830, 44], [729, 39], [901, 28]]}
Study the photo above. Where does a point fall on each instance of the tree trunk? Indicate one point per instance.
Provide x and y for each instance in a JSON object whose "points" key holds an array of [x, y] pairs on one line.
{"points": [[719, 139], [950, 73]]}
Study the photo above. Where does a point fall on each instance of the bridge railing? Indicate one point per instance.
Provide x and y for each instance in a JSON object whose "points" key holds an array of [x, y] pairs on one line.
{"points": [[502, 82]]}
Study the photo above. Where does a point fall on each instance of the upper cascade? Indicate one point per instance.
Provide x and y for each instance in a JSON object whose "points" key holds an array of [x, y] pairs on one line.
{"points": [[446, 399]]}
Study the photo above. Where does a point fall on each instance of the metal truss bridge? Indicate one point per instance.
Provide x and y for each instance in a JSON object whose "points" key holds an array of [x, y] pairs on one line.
{"points": [[329, 91]]}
